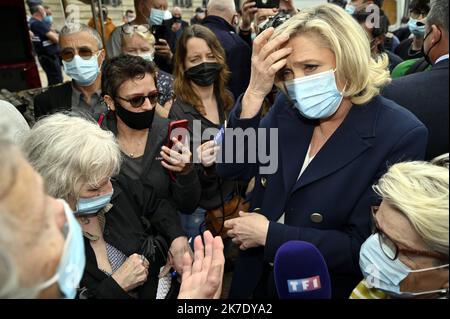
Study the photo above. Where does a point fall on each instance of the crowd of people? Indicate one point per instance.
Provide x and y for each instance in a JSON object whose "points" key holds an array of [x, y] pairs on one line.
{"points": [[117, 208]]}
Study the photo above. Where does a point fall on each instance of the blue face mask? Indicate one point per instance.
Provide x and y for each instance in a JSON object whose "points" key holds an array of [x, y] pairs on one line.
{"points": [[147, 57], [83, 72], [156, 17], [416, 30], [350, 9], [48, 20], [90, 206], [73, 260], [385, 274], [315, 96]]}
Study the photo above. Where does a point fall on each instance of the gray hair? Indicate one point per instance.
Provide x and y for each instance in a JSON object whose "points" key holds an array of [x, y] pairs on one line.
{"points": [[221, 5], [71, 28], [10, 286], [8, 168], [177, 9], [438, 14], [69, 152], [12, 124]]}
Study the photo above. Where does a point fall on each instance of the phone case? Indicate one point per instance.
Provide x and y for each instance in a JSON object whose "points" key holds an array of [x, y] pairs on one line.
{"points": [[173, 126]]}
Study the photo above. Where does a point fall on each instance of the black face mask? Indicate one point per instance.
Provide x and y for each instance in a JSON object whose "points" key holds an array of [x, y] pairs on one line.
{"points": [[137, 121], [426, 54], [204, 74]]}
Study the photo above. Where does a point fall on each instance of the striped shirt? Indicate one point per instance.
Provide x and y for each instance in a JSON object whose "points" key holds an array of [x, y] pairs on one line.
{"points": [[365, 291]]}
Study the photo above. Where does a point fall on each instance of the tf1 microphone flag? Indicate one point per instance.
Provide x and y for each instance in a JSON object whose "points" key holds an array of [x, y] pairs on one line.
{"points": [[301, 272]]}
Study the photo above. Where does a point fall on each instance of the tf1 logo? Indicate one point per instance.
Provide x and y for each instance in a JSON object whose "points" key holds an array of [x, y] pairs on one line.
{"points": [[305, 284]]}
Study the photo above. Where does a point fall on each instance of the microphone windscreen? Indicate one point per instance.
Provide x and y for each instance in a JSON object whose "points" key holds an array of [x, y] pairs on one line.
{"points": [[301, 272]]}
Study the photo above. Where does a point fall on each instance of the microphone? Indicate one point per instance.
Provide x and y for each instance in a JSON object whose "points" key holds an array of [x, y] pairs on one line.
{"points": [[301, 272]]}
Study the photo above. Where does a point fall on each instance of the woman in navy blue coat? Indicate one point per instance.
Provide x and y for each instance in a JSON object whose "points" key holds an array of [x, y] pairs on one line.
{"points": [[335, 138]]}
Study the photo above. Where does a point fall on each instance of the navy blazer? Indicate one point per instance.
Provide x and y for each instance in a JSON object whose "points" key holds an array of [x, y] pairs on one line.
{"points": [[329, 206], [426, 95], [238, 53]]}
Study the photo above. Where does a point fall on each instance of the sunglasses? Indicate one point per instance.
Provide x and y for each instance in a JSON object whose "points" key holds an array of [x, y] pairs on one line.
{"points": [[131, 29], [85, 53], [418, 14], [138, 101]]}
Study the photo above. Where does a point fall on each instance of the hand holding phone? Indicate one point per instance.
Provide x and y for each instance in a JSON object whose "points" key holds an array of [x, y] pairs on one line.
{"points": [[176, 154], [179, 130], [159, 32]]}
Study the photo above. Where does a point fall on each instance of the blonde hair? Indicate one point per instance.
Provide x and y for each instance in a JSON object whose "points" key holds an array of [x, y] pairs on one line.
{"points": [[70, 152], [339, 32], [419, 190], [148, 36]]}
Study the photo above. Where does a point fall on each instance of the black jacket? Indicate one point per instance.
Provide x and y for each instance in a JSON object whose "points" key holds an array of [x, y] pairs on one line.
{"points": [[185, 192], [137, 215], [55, 99], [238, 53], [426, 95]]}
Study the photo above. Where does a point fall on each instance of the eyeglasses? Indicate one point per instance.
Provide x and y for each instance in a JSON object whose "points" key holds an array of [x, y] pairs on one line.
{"points": [[391, 249], [130, 29], [418, 14], [85, 53], [138, 101]]}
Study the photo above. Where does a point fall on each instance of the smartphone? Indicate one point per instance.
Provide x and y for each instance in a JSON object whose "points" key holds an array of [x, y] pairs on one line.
{"points": [[267, 3], [178, 129], [159, 32]]}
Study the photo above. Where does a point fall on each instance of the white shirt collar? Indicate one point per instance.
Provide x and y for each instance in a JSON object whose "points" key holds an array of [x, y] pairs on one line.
{"points": [[442, 58]]}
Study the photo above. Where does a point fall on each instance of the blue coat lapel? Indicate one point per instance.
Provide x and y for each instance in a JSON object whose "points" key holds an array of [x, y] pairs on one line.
{"points": [[347, 143], [295, 133]]}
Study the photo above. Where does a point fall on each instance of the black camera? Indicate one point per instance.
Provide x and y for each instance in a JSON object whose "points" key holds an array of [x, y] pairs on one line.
{"points": [[277, 20]]}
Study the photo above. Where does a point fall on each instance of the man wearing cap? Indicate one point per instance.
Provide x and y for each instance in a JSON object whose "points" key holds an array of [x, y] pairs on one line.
{"points": [[198, 17]]}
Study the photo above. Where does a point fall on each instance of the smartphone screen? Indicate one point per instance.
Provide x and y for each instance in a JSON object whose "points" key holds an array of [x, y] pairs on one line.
{"points": [[267, 3]]}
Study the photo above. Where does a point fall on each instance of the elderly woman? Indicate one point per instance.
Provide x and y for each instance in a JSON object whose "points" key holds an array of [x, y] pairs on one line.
{"points": [[335, 137], [138, 40], [407, 256], [128, 231], [53, 266]]}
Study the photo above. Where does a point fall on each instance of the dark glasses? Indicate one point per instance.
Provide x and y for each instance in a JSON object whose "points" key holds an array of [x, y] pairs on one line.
{"points": [[85, 53], [138, 101]]}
